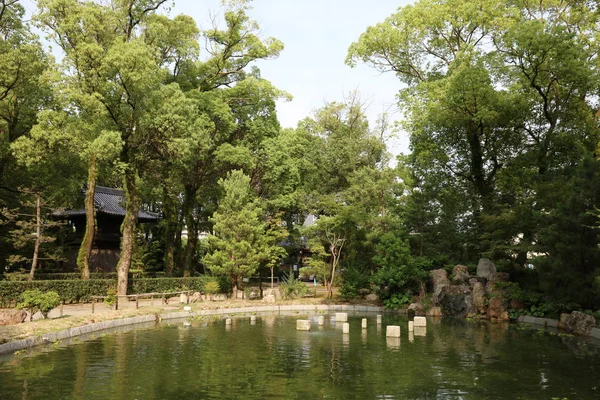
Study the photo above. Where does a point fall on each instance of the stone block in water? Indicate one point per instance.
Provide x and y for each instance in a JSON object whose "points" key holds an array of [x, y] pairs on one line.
{"points": [[420, 331], [228, 321], [303, 325], [392, 331], [341, 317], [411, 326], [253, 318], [420, 321], [364, 323], [321, 320], [346, 328], [379, 319]]}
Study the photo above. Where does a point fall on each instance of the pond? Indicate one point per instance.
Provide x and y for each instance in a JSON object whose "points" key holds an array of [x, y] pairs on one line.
{"points": [[205, 359]]}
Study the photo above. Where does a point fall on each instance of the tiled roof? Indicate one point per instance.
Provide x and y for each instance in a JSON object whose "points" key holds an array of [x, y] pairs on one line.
{"points": [[110, 201]]}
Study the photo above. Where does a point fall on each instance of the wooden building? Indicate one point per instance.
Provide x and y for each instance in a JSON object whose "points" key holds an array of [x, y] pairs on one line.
{"points": [[110, 211]]}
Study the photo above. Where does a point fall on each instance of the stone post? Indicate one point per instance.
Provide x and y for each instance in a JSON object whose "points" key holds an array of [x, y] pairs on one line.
{"points": [[379, 319], [392, 331], [321, 320], [364, 323], [341, 317], [346, 328], [253, 319], [420, 321], [410, 326], [228, 321], [303, 325]]}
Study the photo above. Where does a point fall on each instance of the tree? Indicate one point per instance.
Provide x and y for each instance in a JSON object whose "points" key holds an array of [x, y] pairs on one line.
{"points": [[238, 231], [118, 73]]}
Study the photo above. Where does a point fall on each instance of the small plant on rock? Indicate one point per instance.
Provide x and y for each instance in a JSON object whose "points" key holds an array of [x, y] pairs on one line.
{"points": [[35, 300], [211, 288]]}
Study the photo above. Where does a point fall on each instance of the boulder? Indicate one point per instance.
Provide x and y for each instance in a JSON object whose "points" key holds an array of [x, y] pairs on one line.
{"points": [[272, 291], [434, 312], [456, 301], [195, 297], [270, 299], [500, 277], [474, 279], [479, 297], [416, 309], [437, 292], [496, 309], [460, 273], [439, 277], [12, 317], [580, 323], [485, 268], [372, 297]]}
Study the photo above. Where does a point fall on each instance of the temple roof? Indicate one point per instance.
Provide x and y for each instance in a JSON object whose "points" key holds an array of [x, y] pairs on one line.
{"points": [[109, 201]]}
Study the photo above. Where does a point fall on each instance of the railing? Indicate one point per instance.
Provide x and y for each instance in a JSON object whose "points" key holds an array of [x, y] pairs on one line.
{"points": [[137, 297]]}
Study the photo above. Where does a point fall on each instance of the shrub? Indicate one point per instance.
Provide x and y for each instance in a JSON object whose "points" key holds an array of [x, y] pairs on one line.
{"points": [[356, 284], [36, 300], [76, 291], [396, 301], [211, 287], [292, 288]]}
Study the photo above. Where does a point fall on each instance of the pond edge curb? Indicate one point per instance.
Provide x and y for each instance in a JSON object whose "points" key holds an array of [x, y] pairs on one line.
{"points": [[32, 341]]}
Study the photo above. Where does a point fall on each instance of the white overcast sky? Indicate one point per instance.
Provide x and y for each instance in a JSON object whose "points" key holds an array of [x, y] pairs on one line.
{"points": [[316, 35]]}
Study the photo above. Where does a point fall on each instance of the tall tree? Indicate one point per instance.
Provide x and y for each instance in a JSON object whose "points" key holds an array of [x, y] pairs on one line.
{"points": [[238, 231]]}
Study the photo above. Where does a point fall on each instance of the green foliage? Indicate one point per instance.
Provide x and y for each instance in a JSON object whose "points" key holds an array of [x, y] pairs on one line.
{"points": [[111, 296], [292, 288], [36, 300], [212, 287], [397, 301], [238, 231], [356, 283], [76, 291], [398, 273]]}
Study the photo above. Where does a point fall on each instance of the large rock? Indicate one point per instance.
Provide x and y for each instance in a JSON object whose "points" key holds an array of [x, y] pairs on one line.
{"points": [[269, 299], [580, 323], [12, 317], [460, 273], [479, 297], [416, 309], [500, 277], [272, 292], [371, 297], [437, 293], [434, 312], [485, 268], [439, 277], [496, 308], [456, 301]]}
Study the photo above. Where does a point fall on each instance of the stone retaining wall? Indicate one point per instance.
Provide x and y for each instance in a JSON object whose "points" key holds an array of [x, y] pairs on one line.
{"points": [[553, 323], [17, 345]]}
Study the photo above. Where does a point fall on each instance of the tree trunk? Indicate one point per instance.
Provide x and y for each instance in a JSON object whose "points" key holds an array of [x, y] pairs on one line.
{"points": [[190, 222], [132, 207], [234, 286], [38, 235], [90, 224], [170, 228]]}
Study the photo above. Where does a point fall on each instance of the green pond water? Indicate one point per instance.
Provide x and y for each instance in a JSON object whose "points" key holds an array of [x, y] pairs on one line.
{"points": [[206, 360]]}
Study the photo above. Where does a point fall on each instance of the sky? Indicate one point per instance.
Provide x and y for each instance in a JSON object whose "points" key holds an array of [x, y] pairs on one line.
{"points": [[316, 35]]}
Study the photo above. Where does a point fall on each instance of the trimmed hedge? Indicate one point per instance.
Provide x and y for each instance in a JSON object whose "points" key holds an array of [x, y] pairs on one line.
{"points": [[77, 291], [73, 276]]}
